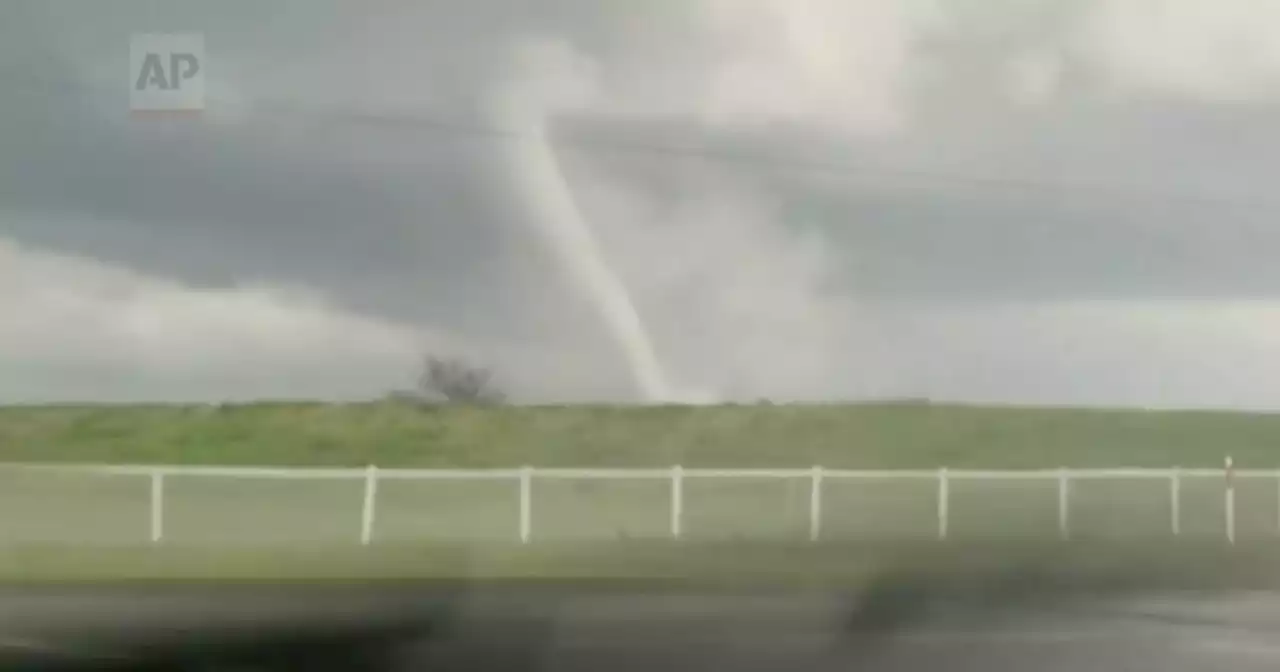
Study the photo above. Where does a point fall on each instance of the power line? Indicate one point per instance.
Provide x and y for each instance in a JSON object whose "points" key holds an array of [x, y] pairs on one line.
{"points": [[904, 177], [774, 161]]}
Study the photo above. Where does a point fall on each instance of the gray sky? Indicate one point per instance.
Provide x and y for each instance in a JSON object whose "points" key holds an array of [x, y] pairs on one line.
{"points": [[1054, 201]]}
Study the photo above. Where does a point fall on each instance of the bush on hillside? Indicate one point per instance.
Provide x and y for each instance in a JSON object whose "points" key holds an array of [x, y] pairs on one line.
{"points": [[458, 381]]}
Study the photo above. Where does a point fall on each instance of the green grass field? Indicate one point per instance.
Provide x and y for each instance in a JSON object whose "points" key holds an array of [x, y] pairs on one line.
{"points": [[221, 515], [1182, 565], [867, 436]]}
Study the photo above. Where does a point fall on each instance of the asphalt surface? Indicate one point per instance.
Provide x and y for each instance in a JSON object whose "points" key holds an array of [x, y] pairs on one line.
{"points": [[1182, 633], [619, 629]]}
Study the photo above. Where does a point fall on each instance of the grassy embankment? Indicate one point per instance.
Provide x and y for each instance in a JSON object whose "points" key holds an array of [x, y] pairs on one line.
{"points": [[869, 436]]}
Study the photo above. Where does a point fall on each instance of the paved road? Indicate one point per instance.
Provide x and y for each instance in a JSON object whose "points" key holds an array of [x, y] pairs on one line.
{"points": [[1171, 633], [622, 631]]}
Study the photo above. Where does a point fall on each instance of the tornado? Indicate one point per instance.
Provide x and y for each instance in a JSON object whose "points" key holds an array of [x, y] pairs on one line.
{"points": [[558, 218]]}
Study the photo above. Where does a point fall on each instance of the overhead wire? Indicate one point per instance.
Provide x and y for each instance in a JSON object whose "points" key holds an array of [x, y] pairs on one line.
{"points": [[896, 176]]}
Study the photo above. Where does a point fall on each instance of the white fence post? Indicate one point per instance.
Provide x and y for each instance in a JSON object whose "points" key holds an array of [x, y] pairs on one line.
{"points": [[157, 506], [1175, 501], [1229, 500], [944, 502], [677, 500], [370, 500], [1064, 504], [526, 504], [815, 503]]}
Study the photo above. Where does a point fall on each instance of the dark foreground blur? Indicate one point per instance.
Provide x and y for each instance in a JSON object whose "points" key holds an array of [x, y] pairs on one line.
{"points": [[958, 608]]}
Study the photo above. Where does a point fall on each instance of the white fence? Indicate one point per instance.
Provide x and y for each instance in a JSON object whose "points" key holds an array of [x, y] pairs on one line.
{"points": [[674, 482]]}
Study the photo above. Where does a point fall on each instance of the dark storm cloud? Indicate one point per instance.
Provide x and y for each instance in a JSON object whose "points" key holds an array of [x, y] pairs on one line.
{"points": [[365, 207], [1122, 202], [400, 221], [347, 150]]}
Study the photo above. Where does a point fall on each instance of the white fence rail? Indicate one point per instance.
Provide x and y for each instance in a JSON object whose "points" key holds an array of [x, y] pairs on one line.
{"points": [[676, 480]]}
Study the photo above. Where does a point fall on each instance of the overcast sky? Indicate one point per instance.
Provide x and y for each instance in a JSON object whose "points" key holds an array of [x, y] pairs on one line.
{"points": [[1041, 202]]}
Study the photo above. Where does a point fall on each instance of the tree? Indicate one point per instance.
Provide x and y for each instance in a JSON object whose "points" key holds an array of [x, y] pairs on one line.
{"points": [[458, 381]]}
